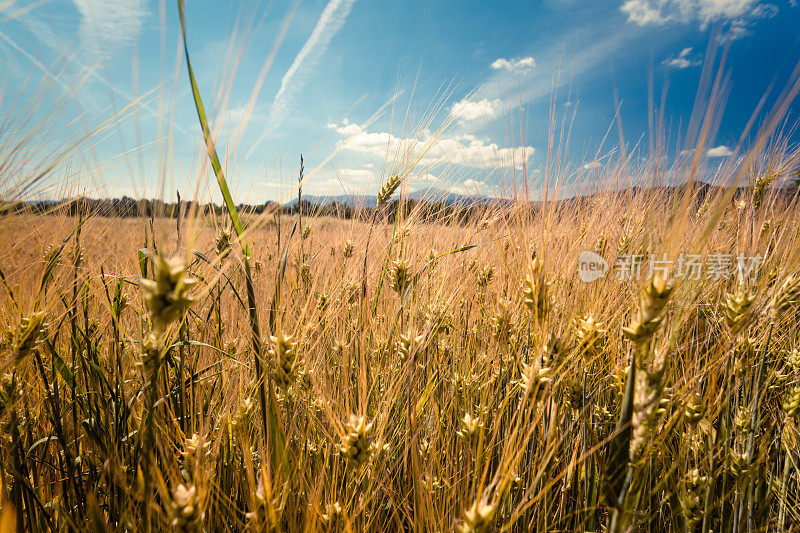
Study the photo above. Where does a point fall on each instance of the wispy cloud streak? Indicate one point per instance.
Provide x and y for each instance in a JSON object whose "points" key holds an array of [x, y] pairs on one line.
{"points": [[108, 23], [296, 78]]}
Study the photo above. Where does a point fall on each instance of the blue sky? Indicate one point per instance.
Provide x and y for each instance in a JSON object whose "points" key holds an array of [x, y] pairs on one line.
{"points": [[362, 88]]}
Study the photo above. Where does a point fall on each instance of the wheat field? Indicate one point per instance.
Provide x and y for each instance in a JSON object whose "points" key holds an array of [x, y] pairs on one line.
{"points": [[409, 367], [422, 374]]}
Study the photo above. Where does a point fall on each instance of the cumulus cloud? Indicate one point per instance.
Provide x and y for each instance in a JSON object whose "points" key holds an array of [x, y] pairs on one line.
{"points": [[472, 110], [346, 128], [472, 151], [643, 13], [464, 150], [682, 60], [483, 108], [108, 23], [719, 151], [470, 187], [426, 180], [520, 64], [739, 13]]}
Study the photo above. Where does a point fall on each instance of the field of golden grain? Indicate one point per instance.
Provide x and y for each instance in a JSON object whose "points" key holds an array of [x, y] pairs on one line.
{"points": [[407, 374], [617, 357]]}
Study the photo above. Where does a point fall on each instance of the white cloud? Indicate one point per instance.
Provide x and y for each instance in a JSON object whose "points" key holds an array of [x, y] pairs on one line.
{"points": [[587, 59], [658, 12], [470, 110], [299, 73], [472, 151], [682, 60], [643, 13], [465, 150], [710, 10], [741, 26], [719, 151], [107, 23], [483, 108], [426, 180], [470, 187], [520, 64], [346, 129], [765, 11]]}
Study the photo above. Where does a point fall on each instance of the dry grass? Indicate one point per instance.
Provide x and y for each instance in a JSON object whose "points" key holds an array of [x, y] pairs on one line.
{"points": [[459, 400], [409, 373]]}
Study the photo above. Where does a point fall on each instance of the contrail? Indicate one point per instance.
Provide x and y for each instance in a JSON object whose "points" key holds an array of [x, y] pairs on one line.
{"points": [[296, 78]]}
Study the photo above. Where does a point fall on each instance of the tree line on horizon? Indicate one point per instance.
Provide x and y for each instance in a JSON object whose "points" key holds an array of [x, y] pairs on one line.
{"points": [[127, 207]]}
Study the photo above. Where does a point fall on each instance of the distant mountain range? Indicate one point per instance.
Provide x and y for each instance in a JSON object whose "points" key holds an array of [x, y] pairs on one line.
{"points": [[126, 206], [368, 201], [701, 189]]}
